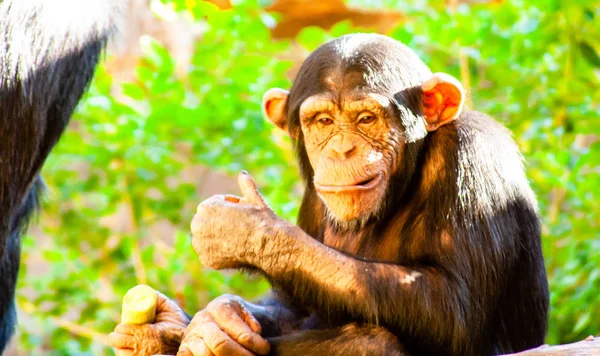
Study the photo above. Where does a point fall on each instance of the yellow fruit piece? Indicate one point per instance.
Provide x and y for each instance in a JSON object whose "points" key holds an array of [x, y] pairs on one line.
{"points": [[139, 305]]}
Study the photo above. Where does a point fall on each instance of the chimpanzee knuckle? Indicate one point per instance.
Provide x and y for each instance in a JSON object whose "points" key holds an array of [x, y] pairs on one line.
{"points": [[215, 201], [164, 304], [221, 307], [203, 219], [204, 253], [123, 352], [224, 346], [183, 351], [226, 297], [224, 301], [201, 229], [206, 260], [208, 207], [191, 337], [201, 317], [245, 339], [196, 348], [127, 329], [198, 246], [196, 224], [210, 261], [201, 208], [120, 341]]}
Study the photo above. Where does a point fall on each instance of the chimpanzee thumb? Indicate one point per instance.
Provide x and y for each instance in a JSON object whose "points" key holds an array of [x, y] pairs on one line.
{"points": [[249, 190]]}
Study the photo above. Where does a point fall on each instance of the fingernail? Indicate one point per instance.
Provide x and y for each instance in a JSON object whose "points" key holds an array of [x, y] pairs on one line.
{"points": [[244, 171]]}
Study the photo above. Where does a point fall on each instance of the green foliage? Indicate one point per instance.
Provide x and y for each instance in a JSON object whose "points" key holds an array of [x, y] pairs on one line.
{"points": [[127, 158]]}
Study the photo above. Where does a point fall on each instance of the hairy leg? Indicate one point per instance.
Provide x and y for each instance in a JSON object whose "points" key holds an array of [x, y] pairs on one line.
{"points": [[351, 339]]}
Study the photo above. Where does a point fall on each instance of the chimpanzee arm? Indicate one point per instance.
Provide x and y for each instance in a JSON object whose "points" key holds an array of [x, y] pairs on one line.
{"points": [[433, 300], [392, 295]]}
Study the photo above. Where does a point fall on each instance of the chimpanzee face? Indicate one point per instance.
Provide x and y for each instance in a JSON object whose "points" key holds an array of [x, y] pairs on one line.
{"points": [[352, 140], [344, 112]]}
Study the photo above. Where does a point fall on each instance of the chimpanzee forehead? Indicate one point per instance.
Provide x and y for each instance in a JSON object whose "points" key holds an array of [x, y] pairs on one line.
{"points": [[369, 62]]}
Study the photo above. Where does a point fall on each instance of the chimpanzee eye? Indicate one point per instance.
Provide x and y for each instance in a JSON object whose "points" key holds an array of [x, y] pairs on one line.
{"points": [[324, 120], [366, 119]]}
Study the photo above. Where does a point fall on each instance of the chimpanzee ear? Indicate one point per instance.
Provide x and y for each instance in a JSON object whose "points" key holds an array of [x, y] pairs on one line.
{"points": [[273, 105], [443, 99]]}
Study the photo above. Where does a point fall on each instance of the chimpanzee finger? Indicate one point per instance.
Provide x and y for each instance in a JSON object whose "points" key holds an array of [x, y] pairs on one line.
{"points": [[249, 190], [219, 342], [251, 321], [168, 310], [197, 347], [121, 341], [231, 318], [127, 329], [183, 351], [216, 199], [124, 352], [247, 316]]}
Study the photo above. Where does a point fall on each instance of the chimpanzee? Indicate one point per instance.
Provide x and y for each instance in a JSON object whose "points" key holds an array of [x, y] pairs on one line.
{"points": [[48, 52], [418, 232]]}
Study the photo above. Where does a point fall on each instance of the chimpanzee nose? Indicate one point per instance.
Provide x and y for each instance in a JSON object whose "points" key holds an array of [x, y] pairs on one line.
{"points": [[342, 146]]}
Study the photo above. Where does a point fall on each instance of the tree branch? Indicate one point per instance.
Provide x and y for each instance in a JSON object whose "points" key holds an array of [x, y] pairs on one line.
{"points": [[588, 347]]}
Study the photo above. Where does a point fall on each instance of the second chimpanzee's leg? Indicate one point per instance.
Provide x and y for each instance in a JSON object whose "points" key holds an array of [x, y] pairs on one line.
{"points": [[351, 339]]}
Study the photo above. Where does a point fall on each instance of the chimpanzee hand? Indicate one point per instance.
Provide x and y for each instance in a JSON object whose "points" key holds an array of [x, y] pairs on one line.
{"points": [[161, 337], [225, 327], [232, 232]]}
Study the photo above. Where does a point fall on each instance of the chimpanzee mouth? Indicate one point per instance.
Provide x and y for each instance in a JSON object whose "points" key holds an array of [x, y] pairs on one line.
{"points": [[364, 184]]}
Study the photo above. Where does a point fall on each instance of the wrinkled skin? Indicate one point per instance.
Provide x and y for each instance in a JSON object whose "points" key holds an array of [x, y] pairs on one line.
{"points": [[254, 228], [227, 325], [353, 141], [352, 149], [161, 337], [224, 327]]}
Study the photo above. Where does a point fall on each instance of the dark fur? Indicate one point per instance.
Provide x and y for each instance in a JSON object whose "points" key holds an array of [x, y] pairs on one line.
{"points": [[41, 81], [459, 210]]}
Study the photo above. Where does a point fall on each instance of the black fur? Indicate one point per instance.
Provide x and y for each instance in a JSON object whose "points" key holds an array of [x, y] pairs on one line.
{"points": [[484, 291], [48, 53]]}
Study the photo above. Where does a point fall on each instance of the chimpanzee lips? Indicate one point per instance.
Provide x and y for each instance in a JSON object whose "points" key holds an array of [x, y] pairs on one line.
{"points": [[359, 185]]}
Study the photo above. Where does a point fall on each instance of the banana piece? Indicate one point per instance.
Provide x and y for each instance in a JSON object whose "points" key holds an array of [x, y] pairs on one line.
{"points": [[139, 305]]}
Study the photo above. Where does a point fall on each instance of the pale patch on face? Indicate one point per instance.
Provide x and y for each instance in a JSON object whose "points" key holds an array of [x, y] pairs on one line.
{"points": [[374, 156], [411, 277]]}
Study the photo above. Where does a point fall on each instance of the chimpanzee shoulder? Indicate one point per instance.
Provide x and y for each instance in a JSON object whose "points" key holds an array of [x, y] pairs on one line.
{"points": [[483, 169]]}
